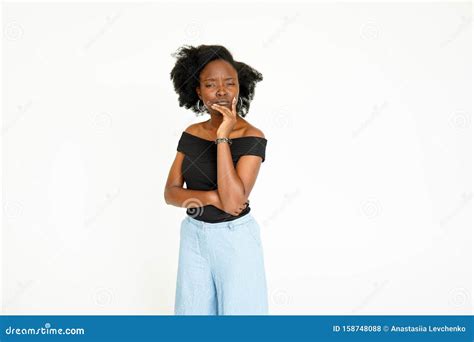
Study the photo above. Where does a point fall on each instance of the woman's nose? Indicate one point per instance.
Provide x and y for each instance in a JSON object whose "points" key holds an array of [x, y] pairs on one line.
{"points": [[221, 90]]}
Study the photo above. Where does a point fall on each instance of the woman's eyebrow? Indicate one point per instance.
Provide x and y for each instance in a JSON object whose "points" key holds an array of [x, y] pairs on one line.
{"points": [[213, 79]]}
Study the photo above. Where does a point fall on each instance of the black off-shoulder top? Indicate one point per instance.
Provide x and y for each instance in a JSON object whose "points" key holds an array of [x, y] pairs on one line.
{"points": [[199, 169]]}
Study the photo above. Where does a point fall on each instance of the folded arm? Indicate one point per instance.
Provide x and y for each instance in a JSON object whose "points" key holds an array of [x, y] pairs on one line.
{"points": [[234, 184], [175, 194]]}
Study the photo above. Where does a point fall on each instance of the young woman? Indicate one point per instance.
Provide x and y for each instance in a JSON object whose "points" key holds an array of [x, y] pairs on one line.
{"points": [[221, 269]]}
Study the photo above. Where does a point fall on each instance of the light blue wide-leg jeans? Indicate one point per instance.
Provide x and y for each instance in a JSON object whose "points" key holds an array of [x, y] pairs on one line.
{"points": [[221, 268]]}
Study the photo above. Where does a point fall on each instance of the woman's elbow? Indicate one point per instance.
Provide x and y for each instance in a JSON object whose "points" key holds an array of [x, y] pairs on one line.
{"points": [[234, 206], [167, 195]]}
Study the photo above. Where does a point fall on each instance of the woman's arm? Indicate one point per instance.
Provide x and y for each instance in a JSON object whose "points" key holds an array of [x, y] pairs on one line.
{"points": [[235, 183], [187, 198], [176, 195], [229, 185]]}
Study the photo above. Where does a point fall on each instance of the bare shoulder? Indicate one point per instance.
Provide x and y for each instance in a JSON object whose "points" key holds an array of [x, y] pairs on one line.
{"points": [[193, 129], [253, 131]]}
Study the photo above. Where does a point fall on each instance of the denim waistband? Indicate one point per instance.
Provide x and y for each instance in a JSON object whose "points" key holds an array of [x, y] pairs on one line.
{"points": [[227, 224]]}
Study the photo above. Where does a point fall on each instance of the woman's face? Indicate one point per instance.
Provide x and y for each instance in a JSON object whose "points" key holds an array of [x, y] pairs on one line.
{"points": [[218, 83]]}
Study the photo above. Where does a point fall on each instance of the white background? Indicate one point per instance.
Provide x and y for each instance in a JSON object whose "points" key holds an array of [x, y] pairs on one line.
{"points": [[364, 199]]}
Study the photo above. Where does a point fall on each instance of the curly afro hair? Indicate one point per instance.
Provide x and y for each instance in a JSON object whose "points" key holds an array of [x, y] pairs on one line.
{"points": [[190, 62]]}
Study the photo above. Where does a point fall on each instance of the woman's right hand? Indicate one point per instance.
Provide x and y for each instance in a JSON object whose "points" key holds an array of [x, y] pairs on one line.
{"points": [[216, 202]]}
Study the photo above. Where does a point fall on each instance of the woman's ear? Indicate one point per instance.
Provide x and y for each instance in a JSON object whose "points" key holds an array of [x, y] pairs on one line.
{"points": [[198, 91]]}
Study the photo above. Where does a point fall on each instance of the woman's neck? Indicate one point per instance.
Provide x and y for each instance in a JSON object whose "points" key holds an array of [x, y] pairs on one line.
{"points": [[214, 122]]}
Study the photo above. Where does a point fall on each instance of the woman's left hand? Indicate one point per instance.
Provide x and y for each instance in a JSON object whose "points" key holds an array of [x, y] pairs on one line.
{"points": [[229, 119]]}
